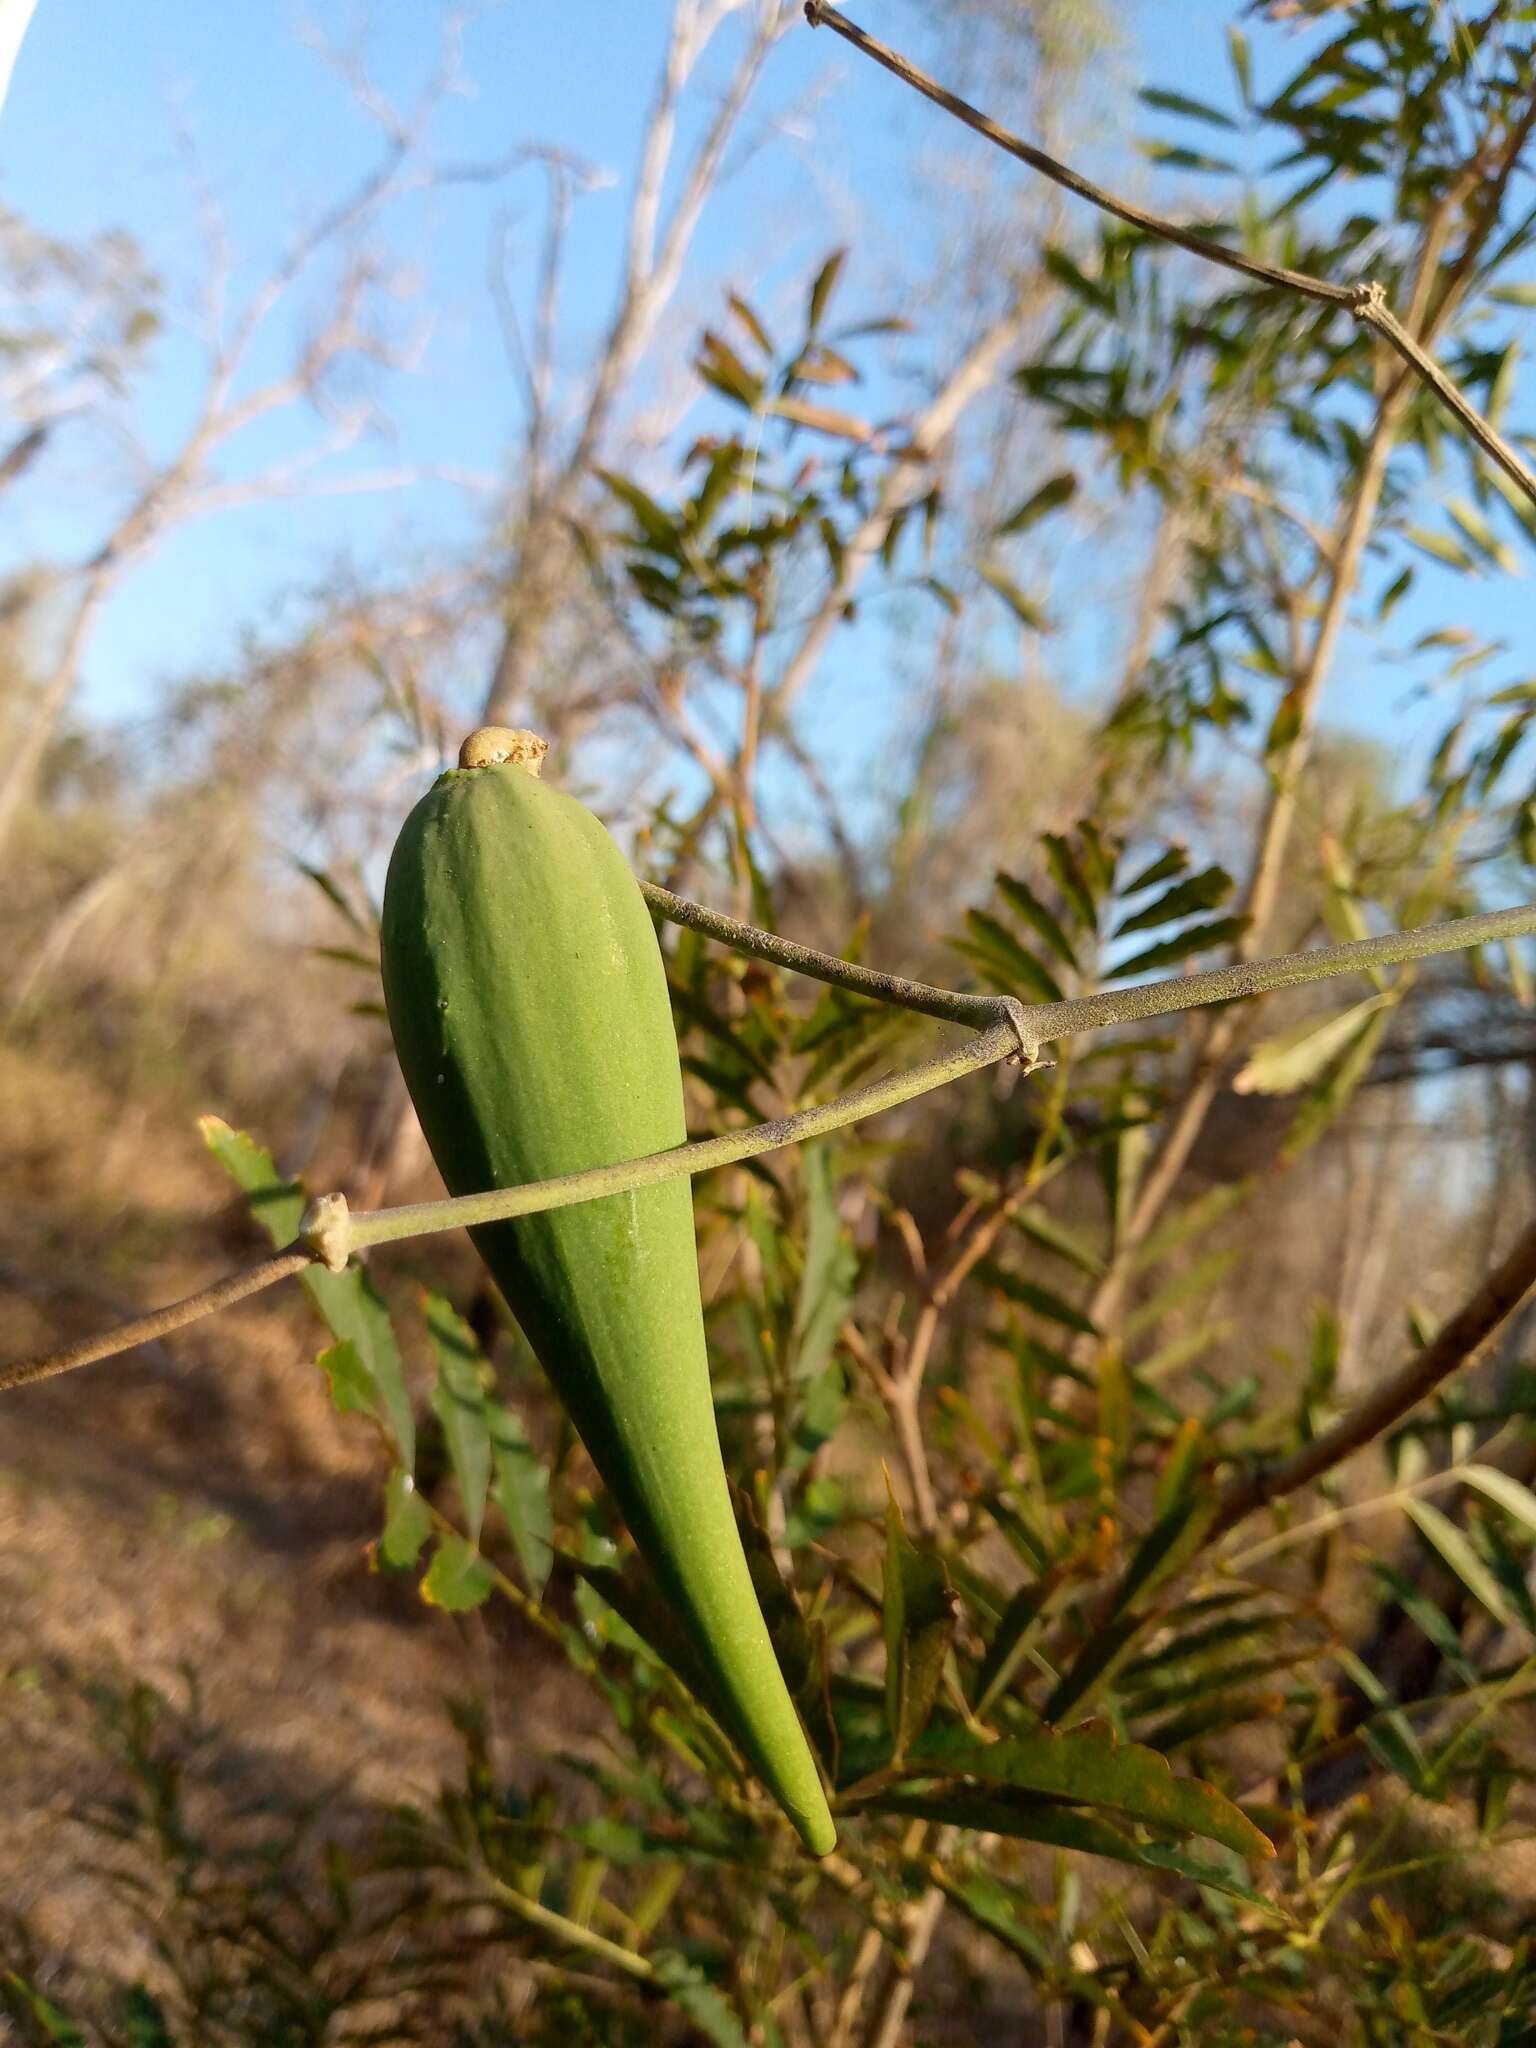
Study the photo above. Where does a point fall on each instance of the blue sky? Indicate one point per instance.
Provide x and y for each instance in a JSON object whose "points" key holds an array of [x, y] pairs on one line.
{"points": [[109, 126]]}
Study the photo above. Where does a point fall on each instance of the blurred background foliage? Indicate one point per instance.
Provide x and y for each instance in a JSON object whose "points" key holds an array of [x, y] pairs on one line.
{"points": [[335, 1708]]}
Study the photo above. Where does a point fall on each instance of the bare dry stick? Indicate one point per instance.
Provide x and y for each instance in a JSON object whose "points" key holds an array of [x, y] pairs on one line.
{"points": [[333, 1235], [1367, 301], [1457, 1343], [145, 1329]]}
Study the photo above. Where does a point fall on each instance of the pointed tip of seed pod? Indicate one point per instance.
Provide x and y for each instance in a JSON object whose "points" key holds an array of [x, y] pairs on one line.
{"points": [[493, 744]]}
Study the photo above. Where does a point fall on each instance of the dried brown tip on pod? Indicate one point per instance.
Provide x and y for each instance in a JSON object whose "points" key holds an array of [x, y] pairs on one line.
{"points": [[493, 744]]}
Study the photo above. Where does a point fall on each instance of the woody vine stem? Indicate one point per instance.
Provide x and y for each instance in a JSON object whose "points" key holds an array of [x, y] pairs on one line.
{"points": [[1013, 1031]]}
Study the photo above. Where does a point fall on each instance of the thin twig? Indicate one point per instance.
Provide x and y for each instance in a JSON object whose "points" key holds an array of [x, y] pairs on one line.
{"points": [[1366, 300], [1455, 1345], [145, 1329], [951, 1005], [422, 1219]]}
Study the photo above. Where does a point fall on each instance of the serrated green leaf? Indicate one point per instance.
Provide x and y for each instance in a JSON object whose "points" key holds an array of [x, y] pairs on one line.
{"points": [[458, 1401], [458, 1577], [359, 1315], [520, 1488], [407, 1523], [276, 1204], [351, 1384]]}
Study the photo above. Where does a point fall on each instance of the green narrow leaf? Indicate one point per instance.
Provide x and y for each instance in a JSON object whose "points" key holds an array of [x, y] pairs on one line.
{"points": [[521, 1491], [1007, 961], [1340, 1086], [358, 1314], [1041, 1299], [1044, 1820], [822, 1407], [1024, 609], [458, 1577], [1068, 877], [55, 2025], [1440, 546], [1481, 536], [1167, 865], [407, 1523], [1052, 494], [919, 1614], [1087, 1766], [657, 527], [1212, 886], [831, 1265], [278, 1205], [1199, 938], [458, 1401], [1046, 1231], [822, 288], [1511, 1496], [990, 1905], [1025, 904], [1293, 1059], [1242, 66], [1181, 103], [750, 321], [1005, 1652], [692, 1993], [644, 1616], [1453, 1545]]}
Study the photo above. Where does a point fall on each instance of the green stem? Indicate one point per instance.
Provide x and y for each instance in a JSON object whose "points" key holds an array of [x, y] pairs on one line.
{"points": [[420, 1219], [1028, 1022], [569, 1931], [950, 1004]]}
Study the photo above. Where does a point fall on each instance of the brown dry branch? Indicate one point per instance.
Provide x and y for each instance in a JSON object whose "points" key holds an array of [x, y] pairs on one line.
{"points": [[1365, 300], [1455, 1345]]}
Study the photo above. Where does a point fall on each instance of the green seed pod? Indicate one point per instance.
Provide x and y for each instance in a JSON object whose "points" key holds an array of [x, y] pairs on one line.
{"points": [[528, 1003]]}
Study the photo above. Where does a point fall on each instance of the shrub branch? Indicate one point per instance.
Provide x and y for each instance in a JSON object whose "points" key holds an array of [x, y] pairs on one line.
{"points": [[331, 1235], [1365, 299]]}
